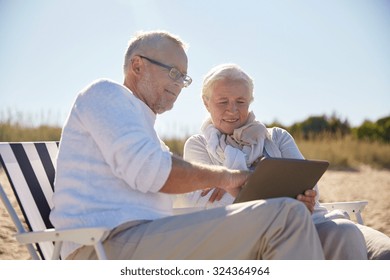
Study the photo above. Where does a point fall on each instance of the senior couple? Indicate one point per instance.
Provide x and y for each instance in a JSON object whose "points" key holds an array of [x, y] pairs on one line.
{"points": [[114, 171]]}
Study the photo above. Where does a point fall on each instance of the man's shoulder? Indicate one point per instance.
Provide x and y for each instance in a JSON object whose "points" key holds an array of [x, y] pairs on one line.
{"points": [[103, 84], [105, 89]]}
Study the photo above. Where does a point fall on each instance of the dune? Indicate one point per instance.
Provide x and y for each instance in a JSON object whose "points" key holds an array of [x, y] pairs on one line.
{"points": [[364, 184]]}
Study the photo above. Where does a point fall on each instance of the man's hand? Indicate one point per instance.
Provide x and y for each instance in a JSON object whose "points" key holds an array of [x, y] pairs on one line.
{"points": [[234, 180], [309, 198]]}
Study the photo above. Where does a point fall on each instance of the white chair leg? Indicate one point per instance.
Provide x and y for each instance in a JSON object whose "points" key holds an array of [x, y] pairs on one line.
{"points": [[57, 250], [19, 227], [359, 218], [100, 251]]}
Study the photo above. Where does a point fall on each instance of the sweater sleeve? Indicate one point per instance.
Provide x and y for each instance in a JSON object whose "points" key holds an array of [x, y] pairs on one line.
{"points": [[286, 143], [122, 129], [289, 149]]}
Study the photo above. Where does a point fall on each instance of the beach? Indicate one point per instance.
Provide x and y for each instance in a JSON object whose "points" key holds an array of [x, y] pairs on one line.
{"points": [[363, 184]]}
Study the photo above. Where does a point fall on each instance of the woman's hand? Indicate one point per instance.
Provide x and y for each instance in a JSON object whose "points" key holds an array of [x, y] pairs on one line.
{"points": [[216, 195], [309, 199]]}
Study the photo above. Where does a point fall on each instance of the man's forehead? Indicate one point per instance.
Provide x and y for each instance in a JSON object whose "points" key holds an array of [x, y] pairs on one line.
{"points": [[170, 53]]}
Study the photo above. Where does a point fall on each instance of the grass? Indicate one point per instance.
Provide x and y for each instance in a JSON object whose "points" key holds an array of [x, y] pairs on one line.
{"points": [[347, 152], [16, 133], [342, 152]]}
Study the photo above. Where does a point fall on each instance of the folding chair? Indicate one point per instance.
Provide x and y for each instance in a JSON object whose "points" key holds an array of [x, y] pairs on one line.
{"points": [[30, 169]]}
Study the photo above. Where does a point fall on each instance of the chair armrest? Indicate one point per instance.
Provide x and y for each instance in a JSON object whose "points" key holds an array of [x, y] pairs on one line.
{"points": [[83, 236], [352, 208]]}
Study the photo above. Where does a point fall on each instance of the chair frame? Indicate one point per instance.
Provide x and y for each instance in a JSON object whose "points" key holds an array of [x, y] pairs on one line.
{"points": [[41, 239], [353, 208]]}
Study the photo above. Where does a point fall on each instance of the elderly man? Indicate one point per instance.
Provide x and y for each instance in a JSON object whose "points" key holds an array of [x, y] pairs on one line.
{"points": [[113, 171]]}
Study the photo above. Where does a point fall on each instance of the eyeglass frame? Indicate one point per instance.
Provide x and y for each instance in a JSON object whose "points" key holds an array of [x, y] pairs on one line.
{"points": [[187, 80]]}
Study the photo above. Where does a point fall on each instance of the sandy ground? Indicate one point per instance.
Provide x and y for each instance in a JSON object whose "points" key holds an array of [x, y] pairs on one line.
{"points": [[364, 184]]}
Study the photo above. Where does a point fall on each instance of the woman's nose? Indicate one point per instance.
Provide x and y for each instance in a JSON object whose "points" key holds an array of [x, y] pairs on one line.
{"points": [[232, 107]]}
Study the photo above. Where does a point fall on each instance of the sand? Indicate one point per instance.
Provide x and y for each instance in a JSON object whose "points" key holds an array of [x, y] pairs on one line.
{"points": [[363, 184]]}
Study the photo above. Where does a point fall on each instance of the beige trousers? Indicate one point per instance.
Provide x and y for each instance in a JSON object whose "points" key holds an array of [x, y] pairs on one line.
{"points": [[378, 244], [280, 229], [341, 239]]}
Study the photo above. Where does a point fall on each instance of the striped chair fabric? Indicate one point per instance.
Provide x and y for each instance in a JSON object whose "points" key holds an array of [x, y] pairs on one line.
{"points": [[30, 169]]}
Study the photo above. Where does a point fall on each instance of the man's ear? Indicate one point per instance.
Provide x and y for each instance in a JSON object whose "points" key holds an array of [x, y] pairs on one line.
{"points": [[136, 65]]}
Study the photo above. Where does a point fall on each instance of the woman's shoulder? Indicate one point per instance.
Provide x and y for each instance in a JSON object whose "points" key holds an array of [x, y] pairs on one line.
{"points": [[195, 146], [279, 135], [276, 131], [196, 139]]}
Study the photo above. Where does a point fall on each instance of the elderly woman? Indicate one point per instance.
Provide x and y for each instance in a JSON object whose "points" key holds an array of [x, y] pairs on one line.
{"points": [[232, 137]]}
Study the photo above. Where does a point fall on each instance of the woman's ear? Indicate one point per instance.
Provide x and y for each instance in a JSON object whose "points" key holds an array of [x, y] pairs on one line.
{"points": [[206, 102]]}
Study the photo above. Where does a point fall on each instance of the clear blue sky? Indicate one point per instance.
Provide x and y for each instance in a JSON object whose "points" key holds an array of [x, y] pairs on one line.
{"points": [[307, 57]]}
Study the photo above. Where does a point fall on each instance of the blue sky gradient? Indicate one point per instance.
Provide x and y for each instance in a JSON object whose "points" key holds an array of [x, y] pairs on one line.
{"points": [[306, 57]]}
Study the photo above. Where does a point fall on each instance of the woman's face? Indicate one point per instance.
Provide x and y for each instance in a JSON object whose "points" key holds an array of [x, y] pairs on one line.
{"points": [[228, 104]]}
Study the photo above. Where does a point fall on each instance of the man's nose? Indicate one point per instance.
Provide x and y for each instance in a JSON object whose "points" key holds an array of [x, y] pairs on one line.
{"points": [[180, 82]]}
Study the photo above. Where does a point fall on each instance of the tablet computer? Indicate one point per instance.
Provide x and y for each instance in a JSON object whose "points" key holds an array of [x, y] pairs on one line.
{"points": [[281, 177]]}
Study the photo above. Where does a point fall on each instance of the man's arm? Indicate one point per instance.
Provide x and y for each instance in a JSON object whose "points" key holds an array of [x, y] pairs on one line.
{"points": [[187, 177]]}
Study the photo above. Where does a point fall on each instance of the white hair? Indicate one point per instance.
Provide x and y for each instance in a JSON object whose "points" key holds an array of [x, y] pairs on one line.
{"points": [[150, 39], [228, 71]]}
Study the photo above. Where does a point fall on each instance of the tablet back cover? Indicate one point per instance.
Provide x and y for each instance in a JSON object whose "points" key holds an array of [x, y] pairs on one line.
{"points": [[281, 177]]}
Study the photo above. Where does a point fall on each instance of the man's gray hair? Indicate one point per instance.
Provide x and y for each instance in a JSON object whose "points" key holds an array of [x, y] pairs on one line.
{"points": [[230, 72], [149, 39]]}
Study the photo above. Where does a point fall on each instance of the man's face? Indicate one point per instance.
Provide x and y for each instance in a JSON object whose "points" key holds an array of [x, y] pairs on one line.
{"points": [[156, 88], [228, 104]]}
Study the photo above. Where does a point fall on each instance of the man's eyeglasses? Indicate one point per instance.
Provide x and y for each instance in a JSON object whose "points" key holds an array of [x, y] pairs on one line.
{"points": [[174, 73]]}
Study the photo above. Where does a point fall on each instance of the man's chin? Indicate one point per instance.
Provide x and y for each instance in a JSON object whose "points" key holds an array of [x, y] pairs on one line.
{"points": [[165, 109]]}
